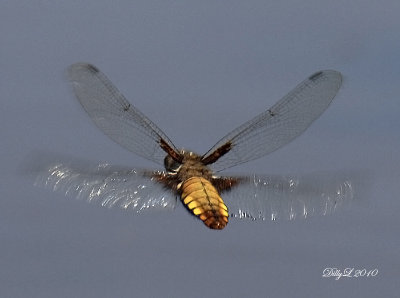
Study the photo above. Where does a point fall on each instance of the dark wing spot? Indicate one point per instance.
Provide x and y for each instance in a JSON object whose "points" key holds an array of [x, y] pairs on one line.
{"points": [[127, 107], [92, 68], [170, 151], [213, 157], [271, 113], [168, 181], [223, 184], [315, 76]]}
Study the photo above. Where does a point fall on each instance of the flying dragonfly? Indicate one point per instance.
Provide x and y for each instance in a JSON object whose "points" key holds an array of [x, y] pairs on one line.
{"points": [[192, 178]]}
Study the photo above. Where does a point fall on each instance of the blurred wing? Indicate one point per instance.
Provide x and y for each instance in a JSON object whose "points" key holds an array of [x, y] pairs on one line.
{"points": [[115, 116], [284, 197], [108, 186], [279, 125]]}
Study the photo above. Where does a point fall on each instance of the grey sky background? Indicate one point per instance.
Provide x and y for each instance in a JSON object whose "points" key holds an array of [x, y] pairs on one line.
{"points": [[198, 69]]}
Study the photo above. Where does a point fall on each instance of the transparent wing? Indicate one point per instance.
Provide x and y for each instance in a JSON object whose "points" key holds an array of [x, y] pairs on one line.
{"points": [[286, 197], [114, 115], [107, 185], [279, 125]]}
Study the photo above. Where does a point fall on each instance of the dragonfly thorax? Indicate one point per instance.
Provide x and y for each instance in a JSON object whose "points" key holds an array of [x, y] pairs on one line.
{"points": [[191, 166]]}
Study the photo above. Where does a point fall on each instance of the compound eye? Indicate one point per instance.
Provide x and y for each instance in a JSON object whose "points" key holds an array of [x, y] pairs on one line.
{"points": [[171, 165]]}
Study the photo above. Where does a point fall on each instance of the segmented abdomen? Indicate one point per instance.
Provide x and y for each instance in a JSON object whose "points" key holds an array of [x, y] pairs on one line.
{"points": [[204, 201]]}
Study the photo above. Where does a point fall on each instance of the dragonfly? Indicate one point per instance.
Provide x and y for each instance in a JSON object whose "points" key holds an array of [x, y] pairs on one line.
{"points": [[194, 179]]}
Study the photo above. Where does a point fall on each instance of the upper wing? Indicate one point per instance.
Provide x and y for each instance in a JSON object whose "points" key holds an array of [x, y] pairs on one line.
{"points": [[279, 125], [107, 185], [285, 197], [115, 116]]}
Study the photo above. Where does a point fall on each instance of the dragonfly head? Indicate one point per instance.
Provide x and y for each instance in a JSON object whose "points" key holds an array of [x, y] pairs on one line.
{"points": [[171, 165]]}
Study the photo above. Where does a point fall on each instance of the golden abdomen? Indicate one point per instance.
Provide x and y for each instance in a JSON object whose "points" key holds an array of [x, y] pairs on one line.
{"points": [[204, 201]]}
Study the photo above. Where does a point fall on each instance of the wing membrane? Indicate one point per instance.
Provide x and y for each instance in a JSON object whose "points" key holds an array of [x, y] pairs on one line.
{"points": [[280, 124], [286, 197], [115, 116], [107, 185]]}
